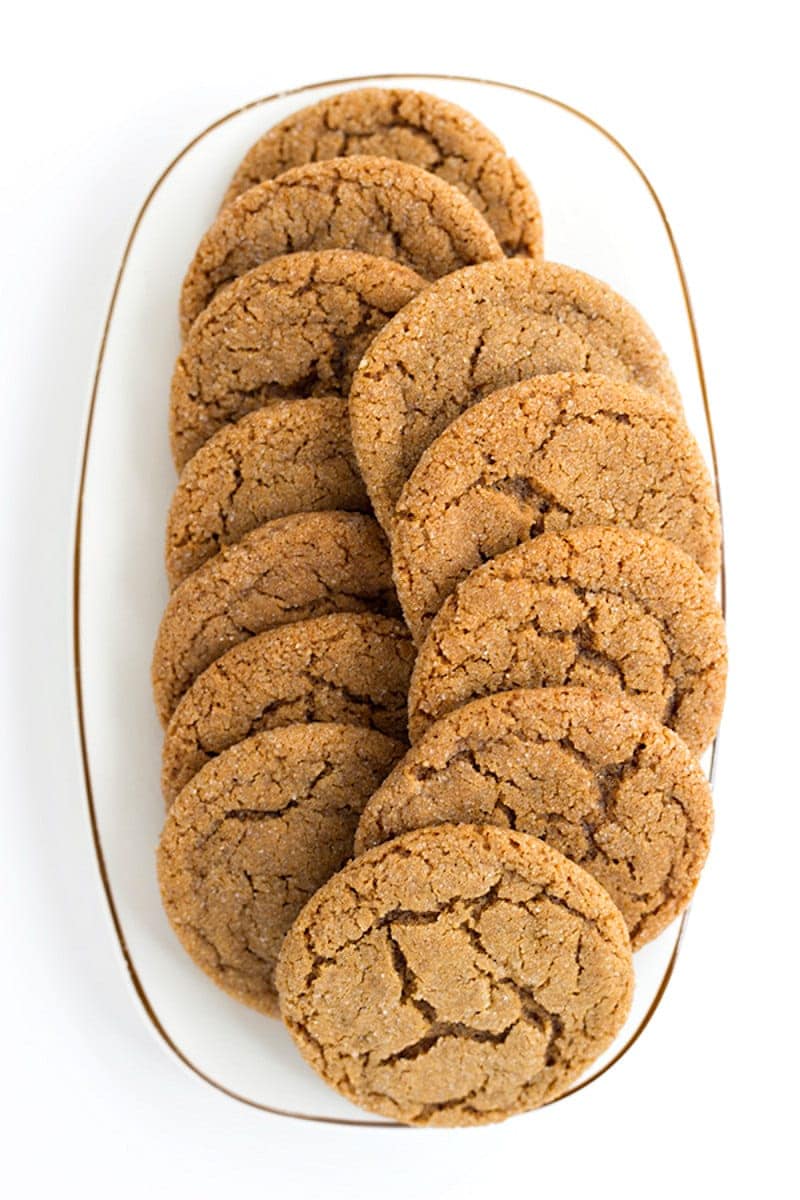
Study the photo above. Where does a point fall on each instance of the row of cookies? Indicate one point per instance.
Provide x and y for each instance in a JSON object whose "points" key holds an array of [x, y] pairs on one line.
{"points": [[280, 646], [551, 518], [560, 532], [458, 473], [262, 324], [549, 526], [333, 234]]}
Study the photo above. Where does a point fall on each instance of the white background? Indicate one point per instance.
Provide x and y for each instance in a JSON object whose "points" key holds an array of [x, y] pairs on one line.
{"points": [[95, 100]]}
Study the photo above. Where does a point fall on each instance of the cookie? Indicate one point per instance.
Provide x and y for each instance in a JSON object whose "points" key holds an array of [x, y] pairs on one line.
{"points": [[591, 774], [294, 327], [252, 838], [377, 205], [455, 976], [293, 456], [296, 567], [416, 128], [550, 453], [598, 606], [351, 668], [479, 330]]}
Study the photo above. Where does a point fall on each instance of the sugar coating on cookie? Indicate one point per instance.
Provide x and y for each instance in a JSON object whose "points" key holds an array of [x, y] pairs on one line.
{"points": [[414, 127], [378, 205], [296, 326], [254, 835], [455, 976], [591, 774], [351, 668], [548, 453], [479, 330], [293, 456], [597, 606], [300, 566]]}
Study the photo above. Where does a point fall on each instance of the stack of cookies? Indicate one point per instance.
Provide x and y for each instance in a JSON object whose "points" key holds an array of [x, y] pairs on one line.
{"points": [[434, 490]]}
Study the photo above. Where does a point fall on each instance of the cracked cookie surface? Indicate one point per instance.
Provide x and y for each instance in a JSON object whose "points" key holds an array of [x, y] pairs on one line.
{"points": [[254, 835], [455, 976], [549, 453], [296, 326], [589, 773], [377, 205], [293, 456], [479, 330], [414, 127], [604, 607], [296, 567], [350, 668]]}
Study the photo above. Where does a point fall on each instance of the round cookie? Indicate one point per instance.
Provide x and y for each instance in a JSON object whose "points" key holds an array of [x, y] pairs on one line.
{"points": [[351, 668], [254, 835], [455, 976], [599, 606], [295, 326], [293, 456], [414, 127], [591, 774], [549, 453], [481, 329], [378, 205], [296, 567]]}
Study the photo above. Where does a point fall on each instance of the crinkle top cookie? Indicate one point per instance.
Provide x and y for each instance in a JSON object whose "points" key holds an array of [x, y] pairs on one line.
{"points": [[478, 330], [295, 567], [293, 456], [254, 835], [591, 774], [455, 975], [377, 205], [352, 668], [295, 326], [549, 453], [417, 128], [600, 606]]}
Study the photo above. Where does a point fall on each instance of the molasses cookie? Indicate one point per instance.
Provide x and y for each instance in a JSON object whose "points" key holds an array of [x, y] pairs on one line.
{"points": [[600, 606], [455, 976], [479, 330], [296, 326], [550, 453], [416, 128], [252, 838], [377, 205], [296, 567], [351, 668], [293, 456], [591, 774]]}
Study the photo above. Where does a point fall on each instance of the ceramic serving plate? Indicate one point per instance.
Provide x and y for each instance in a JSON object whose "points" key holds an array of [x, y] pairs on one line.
{"points": [[600, 214]]}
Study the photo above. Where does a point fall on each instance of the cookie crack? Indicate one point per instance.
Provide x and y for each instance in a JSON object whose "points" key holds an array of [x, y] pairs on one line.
{"points": [[259, 814], [442, 1030], [532, 1010]]}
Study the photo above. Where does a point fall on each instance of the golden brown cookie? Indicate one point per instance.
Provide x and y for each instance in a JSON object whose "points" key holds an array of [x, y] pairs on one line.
{"points": [[455, 976], [293, 456], [296, 326], [598, 606], [549, 453], [377, 205], [479, 330], [296, 567], [351, 668], [591, 774], [254, 835], [414, 127]]}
